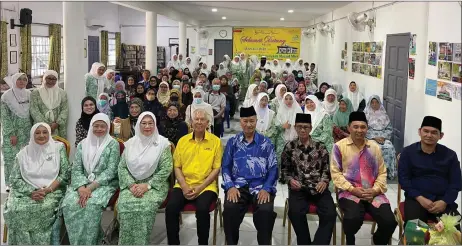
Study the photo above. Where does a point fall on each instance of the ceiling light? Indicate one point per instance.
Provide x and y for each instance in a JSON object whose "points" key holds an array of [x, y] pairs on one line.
{"points": [[223, 18], [214, 10], [282, 18], [290, 11]]}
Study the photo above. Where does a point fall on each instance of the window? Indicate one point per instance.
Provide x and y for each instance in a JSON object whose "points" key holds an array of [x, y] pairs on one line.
{"points": [[40, 55], [111, 52]]}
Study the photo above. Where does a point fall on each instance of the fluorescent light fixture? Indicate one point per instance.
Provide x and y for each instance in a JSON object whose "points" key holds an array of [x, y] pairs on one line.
{"points": [[223, 18], [282, 18], [214, 10], [290, 11]]}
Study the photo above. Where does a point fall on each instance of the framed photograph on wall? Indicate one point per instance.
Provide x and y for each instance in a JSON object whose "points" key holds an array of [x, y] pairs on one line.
{"points": [[13, 42], [13, 57]]}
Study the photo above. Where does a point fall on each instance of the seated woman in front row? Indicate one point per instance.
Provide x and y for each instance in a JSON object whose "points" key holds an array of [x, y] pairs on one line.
{"points": [[144, 169], [93, 183], [341, 116], [38, 182]]}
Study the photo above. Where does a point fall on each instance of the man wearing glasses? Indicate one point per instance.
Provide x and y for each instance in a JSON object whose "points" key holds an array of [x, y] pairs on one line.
{"points": [[305, 168]]}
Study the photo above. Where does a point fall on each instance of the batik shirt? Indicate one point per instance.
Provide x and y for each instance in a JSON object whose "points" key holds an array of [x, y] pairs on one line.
{"points": [[250, 164], [352, 167], [309, 165]]}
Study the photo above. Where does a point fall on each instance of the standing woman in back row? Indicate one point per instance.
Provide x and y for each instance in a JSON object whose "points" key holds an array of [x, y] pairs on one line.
{"points": [[49, 104], [95, 82], [15, 118]]}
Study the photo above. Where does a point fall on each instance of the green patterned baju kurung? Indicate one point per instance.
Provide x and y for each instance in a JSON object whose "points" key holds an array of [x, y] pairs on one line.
{"points": [[31, 222], [84, 224], [274, 105], [137, 215], [323, 132], [59, 114], [91, 86], [238, 72], [388, 150], [13, 125]]}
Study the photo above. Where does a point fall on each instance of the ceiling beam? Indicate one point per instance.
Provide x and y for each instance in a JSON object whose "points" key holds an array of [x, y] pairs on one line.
{"points": [[256, 23], [161, 9]]}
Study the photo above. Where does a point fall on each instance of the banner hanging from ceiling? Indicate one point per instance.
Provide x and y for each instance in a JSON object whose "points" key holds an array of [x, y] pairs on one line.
{"points": [[274, 43]]}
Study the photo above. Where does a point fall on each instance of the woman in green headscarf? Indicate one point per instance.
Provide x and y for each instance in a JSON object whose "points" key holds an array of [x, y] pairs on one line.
{"points": [[341, 119]]}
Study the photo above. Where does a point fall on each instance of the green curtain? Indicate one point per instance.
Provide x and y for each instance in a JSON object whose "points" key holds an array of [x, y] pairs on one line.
{"points": [[118, 49], [104, 47], [54, 61], [26, 49], [3, 50]]}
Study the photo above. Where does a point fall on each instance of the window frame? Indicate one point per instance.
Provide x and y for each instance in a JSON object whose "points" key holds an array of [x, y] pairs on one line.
{"points": [[111, 51], [37, 72]]}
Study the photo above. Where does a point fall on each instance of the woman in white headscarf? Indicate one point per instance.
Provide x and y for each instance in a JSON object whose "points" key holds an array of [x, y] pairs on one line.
{"points": [[321, 122], [174, 62], [144, 169], [93, 183], [264, 114], [95, 81], [287, 66], [281, 89], [251, 95], [199, 103], [227, 61], [109, 83], [330, 103], [49, 104], [356, 97], [15, 117], [188, 64], [38, 183], [222, 70], [299, 65]]}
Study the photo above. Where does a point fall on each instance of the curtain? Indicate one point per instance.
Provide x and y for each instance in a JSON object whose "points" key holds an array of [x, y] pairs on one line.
{"points": [[118, 49], [3, 50], [104, 47], [54, 62], [26, 49]]}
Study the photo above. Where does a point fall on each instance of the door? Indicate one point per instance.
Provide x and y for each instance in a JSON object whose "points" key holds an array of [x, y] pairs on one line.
{"points": [[93, 50], [395, 84], [223, 47]]}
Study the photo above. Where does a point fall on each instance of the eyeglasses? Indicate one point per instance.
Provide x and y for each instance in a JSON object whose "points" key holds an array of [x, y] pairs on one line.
{"points": [[306, 128], [52, 79], [145, 124]]}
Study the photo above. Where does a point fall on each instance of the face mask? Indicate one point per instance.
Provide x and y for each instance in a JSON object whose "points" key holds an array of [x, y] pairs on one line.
{"points": [[197, 100], [150, 97], [285, 75], [199, 87], [102, 103], [176, 87], [216, 87], [300, 75], [174, 98]]}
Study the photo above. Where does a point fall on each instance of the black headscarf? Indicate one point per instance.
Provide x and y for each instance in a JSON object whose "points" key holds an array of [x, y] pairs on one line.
{"points": [[153, 106], [140, 95], [186, 98], [85, 119], [134, 119], [156, 87], [175, 128], [319, 94], [120, 109]]}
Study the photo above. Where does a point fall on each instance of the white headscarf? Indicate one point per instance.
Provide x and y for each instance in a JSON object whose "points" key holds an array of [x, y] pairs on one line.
{"points": [[93, 146], [227, 60], [221, 72], [203, 105], [263, 114], [143, 152], [297, 66], [108, 83], [249, 97], [279, 98], [286, 114], [288, 69], [329, 107], [377, 120], [174, 63], [236, 63], [17, 100], [275, 68], [39, 164], [50, 96], [101, 80], [189, 65], [318, 114], [355, 97]]}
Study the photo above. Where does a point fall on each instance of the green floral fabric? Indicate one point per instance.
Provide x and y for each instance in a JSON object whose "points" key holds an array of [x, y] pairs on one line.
{"points": [[38, 111]]}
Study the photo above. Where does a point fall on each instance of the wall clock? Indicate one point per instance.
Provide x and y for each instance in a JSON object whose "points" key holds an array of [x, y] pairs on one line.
{"points": [[223, 33]]}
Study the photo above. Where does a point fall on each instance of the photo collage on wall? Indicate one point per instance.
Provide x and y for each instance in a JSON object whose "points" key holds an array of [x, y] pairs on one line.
{"points": [[344, 61], [367, 58], [447, 57], [412, 54]]}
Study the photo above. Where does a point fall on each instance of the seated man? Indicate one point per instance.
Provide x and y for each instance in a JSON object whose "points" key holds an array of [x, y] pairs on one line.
{"points": [[305, 167], [430, 175], [197, 161], [359, 172], [250, 172]]}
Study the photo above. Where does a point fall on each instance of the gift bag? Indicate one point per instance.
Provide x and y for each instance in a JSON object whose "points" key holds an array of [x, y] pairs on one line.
{"points": [[415, 232], [445, 232]]}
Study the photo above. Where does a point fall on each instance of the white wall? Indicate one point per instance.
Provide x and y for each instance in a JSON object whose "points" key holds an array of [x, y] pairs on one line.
{"points": [[431, 21]]}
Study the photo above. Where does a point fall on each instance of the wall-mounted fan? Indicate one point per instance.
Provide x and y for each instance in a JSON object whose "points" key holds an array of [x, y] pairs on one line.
{"points": [[360, 21], [203, 34], [310, 32], [325, 29]]}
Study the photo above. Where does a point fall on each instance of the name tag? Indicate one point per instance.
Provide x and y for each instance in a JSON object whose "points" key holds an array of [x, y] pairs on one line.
{"points": [[209, 149]]}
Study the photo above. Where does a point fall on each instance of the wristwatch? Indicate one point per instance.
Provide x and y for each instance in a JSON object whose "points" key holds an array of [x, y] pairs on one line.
{"points": [[149, 187]]}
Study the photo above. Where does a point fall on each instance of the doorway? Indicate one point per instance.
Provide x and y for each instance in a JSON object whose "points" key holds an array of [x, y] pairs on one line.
{"points": [[395, 84], [222, 47], [93, 50]]}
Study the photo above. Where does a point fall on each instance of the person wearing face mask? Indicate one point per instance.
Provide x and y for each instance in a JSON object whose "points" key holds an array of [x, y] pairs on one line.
{"points": [[175, 97], [119, 86], [93, 182], [151, 104], [89, 109], [299, 77], [199, 103], [40, 174], [15, 117], [171, 125], [176, 84], [103, 105], [49, 104], [218, 102], [125, 128], [95, 82], [120, 108]]}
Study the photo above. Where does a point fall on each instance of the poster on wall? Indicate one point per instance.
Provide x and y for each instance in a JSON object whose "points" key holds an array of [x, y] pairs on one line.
{"points": [[445, 52], [456, 73], [344, 58], [446, 91], [444, 70], [411, 68], [457, 52], [412, 45], [432, 51], [431, 87], [274, 43], [367, 58]]}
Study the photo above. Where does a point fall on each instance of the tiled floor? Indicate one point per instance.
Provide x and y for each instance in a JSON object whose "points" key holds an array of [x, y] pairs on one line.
{"points": [[247, 230]]}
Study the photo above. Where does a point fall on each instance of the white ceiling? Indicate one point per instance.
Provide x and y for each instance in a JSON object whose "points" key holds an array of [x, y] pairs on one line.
{"points": [[254, 11]]}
